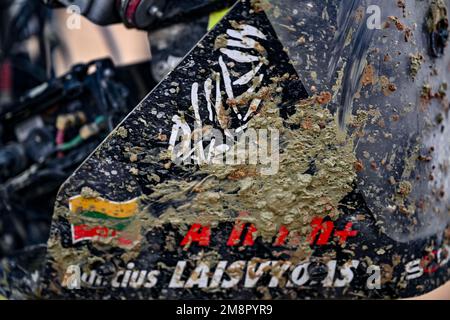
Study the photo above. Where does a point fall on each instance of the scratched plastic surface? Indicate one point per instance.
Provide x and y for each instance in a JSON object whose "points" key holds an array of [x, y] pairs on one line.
{"points": [[404, 149]]}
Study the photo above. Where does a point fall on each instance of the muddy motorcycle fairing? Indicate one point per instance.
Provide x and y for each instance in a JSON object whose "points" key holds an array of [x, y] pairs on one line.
{"points": [[175, 204]]}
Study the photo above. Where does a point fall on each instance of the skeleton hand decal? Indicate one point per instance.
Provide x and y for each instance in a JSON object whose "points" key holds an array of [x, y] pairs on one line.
{"points": [[238, 46]]}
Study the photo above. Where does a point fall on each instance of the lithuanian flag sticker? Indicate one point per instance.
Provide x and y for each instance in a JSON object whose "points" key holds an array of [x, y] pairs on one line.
{"points": [[119, 213]]}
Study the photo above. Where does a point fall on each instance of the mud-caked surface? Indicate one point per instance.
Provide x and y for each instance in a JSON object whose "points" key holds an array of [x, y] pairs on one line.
{"points": [[354, 202]]}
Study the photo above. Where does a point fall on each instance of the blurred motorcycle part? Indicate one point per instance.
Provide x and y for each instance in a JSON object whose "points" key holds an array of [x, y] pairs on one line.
{"points": [[49, 132], [142, 14]]}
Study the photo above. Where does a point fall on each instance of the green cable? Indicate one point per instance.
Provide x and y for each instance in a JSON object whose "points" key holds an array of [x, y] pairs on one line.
{"points": [[78, 139], [71, 144], [100, 119]]}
